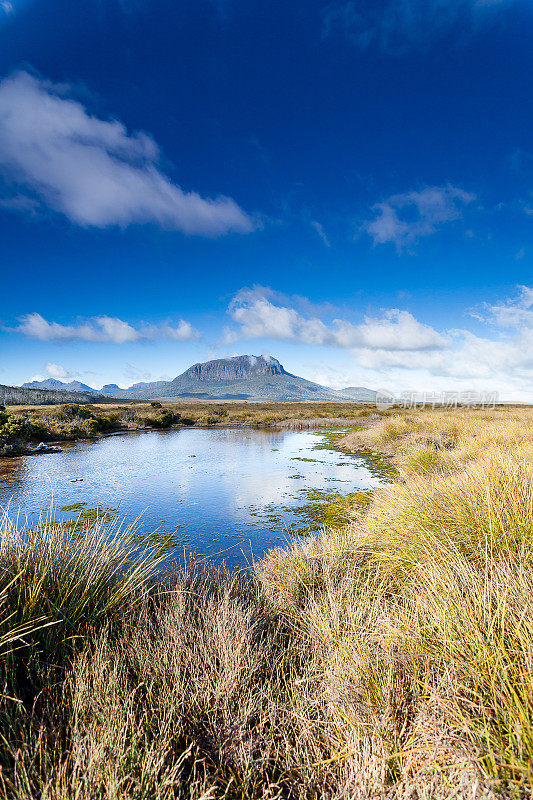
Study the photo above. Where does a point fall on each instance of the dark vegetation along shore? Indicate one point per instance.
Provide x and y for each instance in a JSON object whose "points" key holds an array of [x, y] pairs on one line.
{"points": [[22, 428], [388, 658]]}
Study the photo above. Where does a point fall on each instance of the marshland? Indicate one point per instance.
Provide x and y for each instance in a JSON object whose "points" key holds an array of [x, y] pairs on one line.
{"points": [[22, 426], [388, 654]]}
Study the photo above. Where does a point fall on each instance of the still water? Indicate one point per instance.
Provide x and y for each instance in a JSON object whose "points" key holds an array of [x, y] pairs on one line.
{"points": [[228, 494]]}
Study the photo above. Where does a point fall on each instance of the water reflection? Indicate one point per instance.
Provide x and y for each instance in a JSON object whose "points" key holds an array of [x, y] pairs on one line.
{"points": [[212, 489]]}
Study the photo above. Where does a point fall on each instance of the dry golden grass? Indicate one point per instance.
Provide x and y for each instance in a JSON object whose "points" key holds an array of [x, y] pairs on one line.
{"points": [[424, 607], [224, 411], [443, 440]]}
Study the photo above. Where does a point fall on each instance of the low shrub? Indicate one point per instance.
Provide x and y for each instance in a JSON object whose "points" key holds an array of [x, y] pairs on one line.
{"points": [[92, 426], [163, 420], [69, 411]]}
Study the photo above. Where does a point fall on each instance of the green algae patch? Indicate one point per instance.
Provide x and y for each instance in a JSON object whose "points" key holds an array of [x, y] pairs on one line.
{"points": [[87, 516], [379, 464], [73, 507], [329, 509], [161, 541]]}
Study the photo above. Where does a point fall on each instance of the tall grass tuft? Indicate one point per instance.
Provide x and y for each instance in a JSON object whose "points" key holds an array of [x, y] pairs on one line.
{"points": [[73, 576]]}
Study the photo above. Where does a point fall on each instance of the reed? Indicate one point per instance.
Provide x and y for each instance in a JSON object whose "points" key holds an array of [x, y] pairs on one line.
{"points": [[71, 576]]}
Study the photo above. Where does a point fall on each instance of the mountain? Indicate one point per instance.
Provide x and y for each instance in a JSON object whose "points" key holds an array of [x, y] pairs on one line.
{"points": [[232, 369], [52, 383], [362, 394], [239, 378], [150, 385]]}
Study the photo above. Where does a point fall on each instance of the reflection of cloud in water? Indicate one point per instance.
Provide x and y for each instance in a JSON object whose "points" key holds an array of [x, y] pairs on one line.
{"points": [[268, 492], [321, 471], [237, 480]]}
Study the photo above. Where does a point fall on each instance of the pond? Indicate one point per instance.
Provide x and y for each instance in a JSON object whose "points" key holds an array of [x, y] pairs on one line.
{"points": [[227, 494]]}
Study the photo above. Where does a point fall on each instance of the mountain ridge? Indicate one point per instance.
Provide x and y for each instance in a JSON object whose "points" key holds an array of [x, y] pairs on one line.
{"points": [[245, 377], [56, 385], [237, 367]]}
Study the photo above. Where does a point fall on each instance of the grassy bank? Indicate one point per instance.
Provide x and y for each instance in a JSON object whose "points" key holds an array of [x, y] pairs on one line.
{"points": [[391, 658], [24, 426]]}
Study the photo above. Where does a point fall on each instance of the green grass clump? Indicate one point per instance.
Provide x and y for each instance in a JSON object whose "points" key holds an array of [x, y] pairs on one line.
{"points": [[70, 579], [329, 509]]}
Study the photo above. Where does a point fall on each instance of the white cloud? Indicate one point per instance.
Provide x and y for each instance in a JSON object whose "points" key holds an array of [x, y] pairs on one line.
{"points": [[20, 202], [102, 329], [134, 374], [515, 312], [401, 352], [7, 7], [396, 330], [403, 219], [259, 317], [397, 26], [56, 371], [470, 358], [501, 360], [93, 171], [183, 332], [320, 230]]}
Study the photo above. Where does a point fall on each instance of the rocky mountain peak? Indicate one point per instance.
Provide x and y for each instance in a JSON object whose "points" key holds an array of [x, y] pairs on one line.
{"points": [[237, 368]]}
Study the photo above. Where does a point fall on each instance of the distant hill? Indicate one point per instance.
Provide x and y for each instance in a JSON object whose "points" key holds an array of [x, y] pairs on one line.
{"points": [[238, 378], [52, 383], [18, 395], [362, 394]]}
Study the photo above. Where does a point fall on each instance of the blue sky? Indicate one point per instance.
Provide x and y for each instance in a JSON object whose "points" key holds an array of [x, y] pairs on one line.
{"points": [[347, 186]]}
